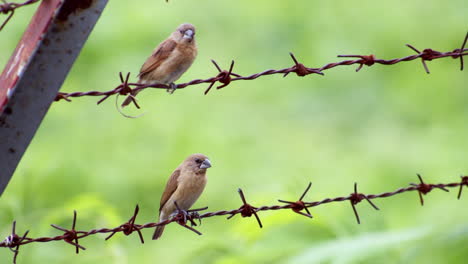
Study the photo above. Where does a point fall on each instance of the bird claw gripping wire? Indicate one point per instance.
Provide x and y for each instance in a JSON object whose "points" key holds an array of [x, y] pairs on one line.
{"points": [[299, 205], [182, 216], [356, 198], [194, 214], [171, 89], [246, 210], [128, 227]]}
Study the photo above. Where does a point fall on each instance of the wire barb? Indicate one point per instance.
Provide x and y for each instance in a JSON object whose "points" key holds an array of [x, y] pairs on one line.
{"points": [[356, 198], [299, 205], [71, 236], [464, 181], [459, 52], [128, 227], [223, 77], [246, 210], [13, 241], [7, 7], [300, 69], [424, 188]]}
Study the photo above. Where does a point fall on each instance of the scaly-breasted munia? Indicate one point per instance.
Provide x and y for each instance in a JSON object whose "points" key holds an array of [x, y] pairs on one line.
{"points": [[169, 60], [184, 187]]}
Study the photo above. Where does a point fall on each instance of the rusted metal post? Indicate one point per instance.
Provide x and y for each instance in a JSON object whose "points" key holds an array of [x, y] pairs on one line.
{"points": [[37, 69]]}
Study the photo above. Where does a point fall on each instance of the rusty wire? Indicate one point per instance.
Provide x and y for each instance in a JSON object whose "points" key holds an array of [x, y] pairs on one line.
{"points": [[8, 8], [225, 77], [183, 218]]}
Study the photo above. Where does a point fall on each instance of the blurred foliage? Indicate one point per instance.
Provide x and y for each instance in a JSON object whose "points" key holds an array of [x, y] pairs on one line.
{"points": [[378, 127]]}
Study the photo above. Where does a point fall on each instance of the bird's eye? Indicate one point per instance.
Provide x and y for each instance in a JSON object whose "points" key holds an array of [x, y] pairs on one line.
{"points": [[181, 31], [198, 161]]}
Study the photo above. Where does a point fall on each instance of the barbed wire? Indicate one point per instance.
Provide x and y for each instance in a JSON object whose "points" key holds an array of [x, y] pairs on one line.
{"points": [[225, 77], [8, 8], [183, 218]]}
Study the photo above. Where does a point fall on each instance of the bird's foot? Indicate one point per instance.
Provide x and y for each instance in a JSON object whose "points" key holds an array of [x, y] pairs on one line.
{"points": [[192, 217], [181, 215], [193, 214], [172, 88]]}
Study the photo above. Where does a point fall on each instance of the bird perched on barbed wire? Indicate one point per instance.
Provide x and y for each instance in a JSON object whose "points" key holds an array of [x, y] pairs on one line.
{"points": [[183, 187], [169, 60]]}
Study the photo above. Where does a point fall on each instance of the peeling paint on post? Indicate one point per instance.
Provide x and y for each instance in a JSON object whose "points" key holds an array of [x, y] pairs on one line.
{"points": [[36, 71]]}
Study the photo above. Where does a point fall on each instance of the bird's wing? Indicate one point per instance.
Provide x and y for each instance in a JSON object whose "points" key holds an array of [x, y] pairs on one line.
{"points": [[158, 57], [171, 186]]}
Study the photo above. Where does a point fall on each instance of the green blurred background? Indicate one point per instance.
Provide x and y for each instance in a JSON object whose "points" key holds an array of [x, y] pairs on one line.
{"points": [[378, 127]]}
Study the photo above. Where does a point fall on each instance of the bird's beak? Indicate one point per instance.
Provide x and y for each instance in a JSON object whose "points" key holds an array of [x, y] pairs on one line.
{"points": [[206, 164], [188, 34]]}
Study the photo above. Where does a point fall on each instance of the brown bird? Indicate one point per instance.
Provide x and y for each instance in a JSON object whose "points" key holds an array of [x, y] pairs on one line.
{"points": [[184, 187], [169, 60]]}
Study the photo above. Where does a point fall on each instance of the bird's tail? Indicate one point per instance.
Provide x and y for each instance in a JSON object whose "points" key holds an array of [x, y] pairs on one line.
{"points": [[158, 232], [128, 100]]}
